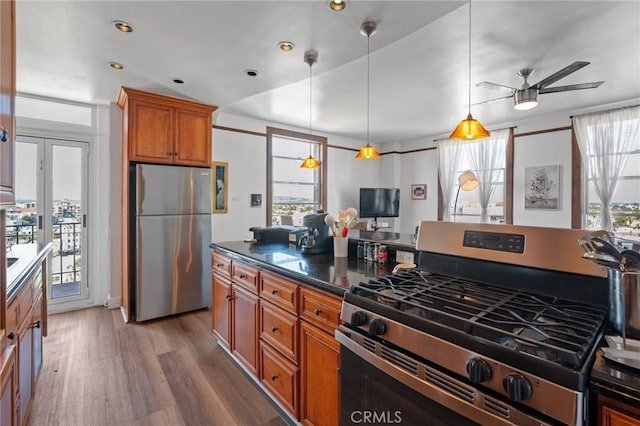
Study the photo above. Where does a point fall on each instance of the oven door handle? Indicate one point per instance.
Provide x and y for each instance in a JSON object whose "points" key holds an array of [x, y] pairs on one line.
{"points": [[473, 410]]}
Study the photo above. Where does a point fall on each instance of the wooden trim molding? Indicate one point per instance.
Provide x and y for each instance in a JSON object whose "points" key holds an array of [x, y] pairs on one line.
{"points": [[539, 132], [508, 180], [233, 129], [576, 182]]}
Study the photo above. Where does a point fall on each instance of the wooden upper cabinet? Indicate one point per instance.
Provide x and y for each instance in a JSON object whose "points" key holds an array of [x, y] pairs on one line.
{"points": [[7, 100], [165, 130]]}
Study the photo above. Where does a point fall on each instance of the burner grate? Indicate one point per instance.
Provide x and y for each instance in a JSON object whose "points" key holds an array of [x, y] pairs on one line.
{"points": [[547, 327]]}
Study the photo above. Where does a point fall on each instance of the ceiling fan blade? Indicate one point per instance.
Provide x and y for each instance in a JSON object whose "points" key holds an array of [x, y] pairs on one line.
{"points": [[580, 86], [489, 101], [560, 74], [494, 86]]}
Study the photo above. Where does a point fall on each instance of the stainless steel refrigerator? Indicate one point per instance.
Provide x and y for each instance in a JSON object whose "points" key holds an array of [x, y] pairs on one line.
{"points": [[172, 267]]}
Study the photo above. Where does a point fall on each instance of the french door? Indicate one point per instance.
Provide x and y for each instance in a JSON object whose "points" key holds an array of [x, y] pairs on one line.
{"points": [[51, 206]]}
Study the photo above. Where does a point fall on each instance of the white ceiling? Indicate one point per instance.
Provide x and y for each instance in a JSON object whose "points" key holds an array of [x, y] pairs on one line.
{"points": [[418, 57]]}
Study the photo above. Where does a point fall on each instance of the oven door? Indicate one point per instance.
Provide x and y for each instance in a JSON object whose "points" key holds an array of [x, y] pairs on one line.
{"points": [[379, 385]]}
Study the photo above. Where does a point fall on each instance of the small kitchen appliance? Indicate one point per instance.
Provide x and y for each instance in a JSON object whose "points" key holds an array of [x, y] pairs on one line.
{"points": [[316, 239], [497, 325]]}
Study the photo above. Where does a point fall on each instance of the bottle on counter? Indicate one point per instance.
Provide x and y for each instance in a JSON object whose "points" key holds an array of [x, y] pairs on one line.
{"points": [[367, 251], [360, 250], [383, 254]]}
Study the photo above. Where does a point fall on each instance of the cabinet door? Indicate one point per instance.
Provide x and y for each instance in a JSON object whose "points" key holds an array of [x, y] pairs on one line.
{"points": [[319, 361], [244, 339], [193, 138], [7, 99], [37, 339], [221, 316], [25, 368], [151, 132], [8, 387], [616, 413]]}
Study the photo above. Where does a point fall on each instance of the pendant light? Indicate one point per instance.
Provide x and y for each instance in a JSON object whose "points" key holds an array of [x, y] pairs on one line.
{"points": [[368, 152], [469, 128], [310, 57]]}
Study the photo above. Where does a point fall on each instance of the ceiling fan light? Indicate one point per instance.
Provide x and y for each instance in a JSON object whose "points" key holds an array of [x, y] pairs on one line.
{"points": [[469, 129], [525, 99], [367, 152]]}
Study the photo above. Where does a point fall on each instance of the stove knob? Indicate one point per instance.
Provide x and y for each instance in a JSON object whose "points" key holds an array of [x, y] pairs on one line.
{"points": [[478, 370], [517, 387], [377, 327], [359, 318]]}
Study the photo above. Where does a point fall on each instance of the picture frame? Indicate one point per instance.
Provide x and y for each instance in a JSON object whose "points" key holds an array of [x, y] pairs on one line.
{"points": [[542, 187], [219, 187], [256, 200], [419, 191]]}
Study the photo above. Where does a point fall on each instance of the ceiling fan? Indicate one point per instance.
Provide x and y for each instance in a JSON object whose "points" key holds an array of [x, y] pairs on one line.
{"points": [[526, 97]]}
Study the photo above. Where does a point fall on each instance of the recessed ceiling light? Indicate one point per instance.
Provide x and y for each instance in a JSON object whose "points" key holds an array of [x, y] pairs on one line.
{"points": [[337, 5], [123, 26], [286, 46], [178, 81], [251, 73], [116, 65]]}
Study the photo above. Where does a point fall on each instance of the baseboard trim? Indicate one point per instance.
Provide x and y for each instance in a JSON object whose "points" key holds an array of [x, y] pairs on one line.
{"points": [[114, 302]]}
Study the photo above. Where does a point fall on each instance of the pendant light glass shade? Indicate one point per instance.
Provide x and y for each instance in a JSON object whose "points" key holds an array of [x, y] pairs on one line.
{"points": [[368, 152], [469, 128], [310, 57]]}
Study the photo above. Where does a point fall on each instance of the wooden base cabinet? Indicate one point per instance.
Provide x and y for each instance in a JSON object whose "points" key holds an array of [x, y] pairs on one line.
{"points": [[244, 328], [280, 377], [8, 414], [615, 413], [221, 309], [319, 384]]}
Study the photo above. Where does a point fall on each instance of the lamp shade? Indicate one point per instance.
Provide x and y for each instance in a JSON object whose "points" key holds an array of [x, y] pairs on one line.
{"points": [[468, 181], [310, 163], [367, 152], [469, 129]]}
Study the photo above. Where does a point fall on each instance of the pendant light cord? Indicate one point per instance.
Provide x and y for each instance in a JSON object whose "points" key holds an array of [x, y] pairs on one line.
{"points": [[469, 57], [368, 84], [310, 99]]}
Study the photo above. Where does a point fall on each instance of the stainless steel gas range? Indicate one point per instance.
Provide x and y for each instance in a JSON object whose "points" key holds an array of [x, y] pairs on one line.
{"points": [[497, 325]]}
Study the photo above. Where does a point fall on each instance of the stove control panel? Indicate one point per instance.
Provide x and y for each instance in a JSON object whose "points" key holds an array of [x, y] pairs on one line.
{"points": [[512, 243]]}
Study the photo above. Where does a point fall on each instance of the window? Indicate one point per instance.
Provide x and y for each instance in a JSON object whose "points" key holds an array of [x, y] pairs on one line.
{"points": [[609, 145], [293, 192]]}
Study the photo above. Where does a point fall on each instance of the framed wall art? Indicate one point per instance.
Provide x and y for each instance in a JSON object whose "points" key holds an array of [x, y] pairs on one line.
{"points": [[541, 187], [220, 174], [419, 191]]}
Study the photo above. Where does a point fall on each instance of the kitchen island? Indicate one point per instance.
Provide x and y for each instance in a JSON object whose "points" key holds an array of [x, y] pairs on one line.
{"points": [[275, 312]]}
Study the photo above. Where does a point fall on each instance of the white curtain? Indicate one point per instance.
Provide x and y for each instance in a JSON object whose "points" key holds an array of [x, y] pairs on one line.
{"points": [[605, 139], [449, 162], [488, 158]]}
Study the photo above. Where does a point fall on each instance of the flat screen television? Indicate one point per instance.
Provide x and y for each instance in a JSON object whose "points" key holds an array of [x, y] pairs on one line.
{"points": [[379, 202]]}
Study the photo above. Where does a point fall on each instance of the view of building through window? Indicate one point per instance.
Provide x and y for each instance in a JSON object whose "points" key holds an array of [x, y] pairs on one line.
{"points": [[295, 191]]}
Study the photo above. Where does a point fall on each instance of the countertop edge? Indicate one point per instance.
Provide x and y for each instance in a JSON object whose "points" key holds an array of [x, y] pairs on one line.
{"points": [[20, 279], [273, 268]]}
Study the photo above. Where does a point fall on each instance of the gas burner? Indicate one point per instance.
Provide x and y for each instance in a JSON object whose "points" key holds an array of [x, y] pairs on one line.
{"points": [[528, 348], [387, 297]]}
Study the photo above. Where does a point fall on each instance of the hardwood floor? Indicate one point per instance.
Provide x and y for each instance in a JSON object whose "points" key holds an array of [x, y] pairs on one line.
{"points": [[100, 371]]}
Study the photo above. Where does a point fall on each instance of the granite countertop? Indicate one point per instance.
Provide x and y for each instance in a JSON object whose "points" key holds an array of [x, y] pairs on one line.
{"points": [[29, 257], [615, 380], [324, 271]]}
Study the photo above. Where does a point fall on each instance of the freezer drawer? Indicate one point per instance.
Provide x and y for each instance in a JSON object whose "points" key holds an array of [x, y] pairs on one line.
{"points": [[173, 265]]}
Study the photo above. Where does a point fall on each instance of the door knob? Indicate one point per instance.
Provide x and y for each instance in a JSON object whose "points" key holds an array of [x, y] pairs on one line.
{"points": [[4, 135]]}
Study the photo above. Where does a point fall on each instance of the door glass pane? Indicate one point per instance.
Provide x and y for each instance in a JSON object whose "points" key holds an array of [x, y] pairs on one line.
{"points": [[22, 219], [66, 191]]}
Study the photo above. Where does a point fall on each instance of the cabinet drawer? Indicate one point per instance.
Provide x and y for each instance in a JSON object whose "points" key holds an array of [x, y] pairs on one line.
{"points": [[280, 377], [19, 307], [279, 291], [321, 310], [279, 329], [220, 264], [245, 275]]}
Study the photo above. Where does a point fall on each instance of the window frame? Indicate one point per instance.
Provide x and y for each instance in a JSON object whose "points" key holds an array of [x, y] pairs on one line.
{"points": [[305, 137]]}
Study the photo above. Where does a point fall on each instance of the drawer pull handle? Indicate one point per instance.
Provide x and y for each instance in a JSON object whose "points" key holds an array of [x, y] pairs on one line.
{"points": [[4, 135], [274, 377], [219, 265], [243, 276], [228, 296], [274, 329], [36, 324], [317, 311], [274, 291], [11, 335]]}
